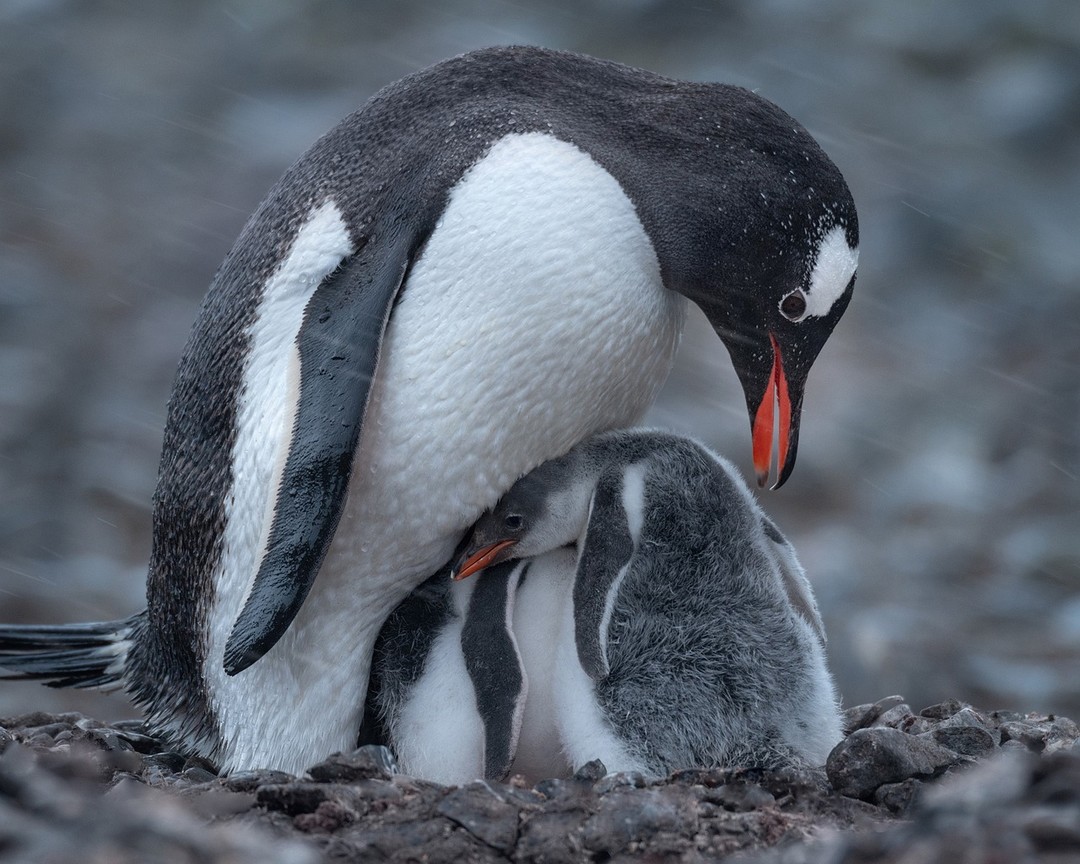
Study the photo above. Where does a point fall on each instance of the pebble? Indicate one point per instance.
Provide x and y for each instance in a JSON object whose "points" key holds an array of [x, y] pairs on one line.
{"points": [[868, 758], [369, 761], [965, 740], [481, 810], [305, 797], [619, 780], [249, 781]]}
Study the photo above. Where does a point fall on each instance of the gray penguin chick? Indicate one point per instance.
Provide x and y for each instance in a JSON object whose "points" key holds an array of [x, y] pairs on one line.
{"points": [[689, 635]]}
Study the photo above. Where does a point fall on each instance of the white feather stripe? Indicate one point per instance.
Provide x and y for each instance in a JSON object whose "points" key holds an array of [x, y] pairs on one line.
{"points": [[833, 268], [267, 406]]}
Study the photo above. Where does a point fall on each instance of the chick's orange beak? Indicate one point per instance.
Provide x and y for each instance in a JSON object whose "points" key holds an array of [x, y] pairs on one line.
{"points": [[483, 557]]}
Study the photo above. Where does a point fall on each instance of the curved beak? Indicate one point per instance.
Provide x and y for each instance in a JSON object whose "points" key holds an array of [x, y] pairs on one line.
{"points": [[776, 418], [474, 559]]}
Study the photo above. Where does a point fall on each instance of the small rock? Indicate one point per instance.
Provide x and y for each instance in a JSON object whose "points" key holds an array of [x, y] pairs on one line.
{"points": [[868, 758], [200, 762], [249, 781], [590, 772], [707, 777], [968, 716], [862, 716], [169, 760], [481, 811], [627, 816], [898, 798], [895, 717], [327, 818], [1031, 735], [942, 710], [108, 740], [552, 836], [304, 797], [367, 762], [556, 788], [966, 740], [197, 774], [620, 780], [740, 797]]}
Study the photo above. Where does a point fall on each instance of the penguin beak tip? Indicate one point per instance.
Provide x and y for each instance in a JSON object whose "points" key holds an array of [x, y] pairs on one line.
{"points": [[474, 560], [774, 418]]}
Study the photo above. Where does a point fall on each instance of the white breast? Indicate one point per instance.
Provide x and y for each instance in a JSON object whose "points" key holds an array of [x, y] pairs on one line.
{"points": [[535, 317]]}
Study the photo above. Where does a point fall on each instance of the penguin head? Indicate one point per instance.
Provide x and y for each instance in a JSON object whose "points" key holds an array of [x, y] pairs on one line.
{"points": [[763, 235], [544, 510], [774, 320]]}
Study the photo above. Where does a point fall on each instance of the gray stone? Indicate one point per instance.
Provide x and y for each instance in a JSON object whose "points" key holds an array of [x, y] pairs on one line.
{"points": [[868, 758], [942, 710], [369, 761], [249, 781], [619, 780], [626, 816], [896, 717], [899, 798], [968, 716], [590, 772], [863, 716], [739, 796], [484, 813], [966, 740], [305, 797]]}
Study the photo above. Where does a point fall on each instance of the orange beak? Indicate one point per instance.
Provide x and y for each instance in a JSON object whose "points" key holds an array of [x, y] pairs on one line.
{"points": [[481, 558], [774, 402]]}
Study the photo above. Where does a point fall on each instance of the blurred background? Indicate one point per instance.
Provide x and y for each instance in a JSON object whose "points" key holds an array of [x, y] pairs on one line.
{"points": [[935, 503]]}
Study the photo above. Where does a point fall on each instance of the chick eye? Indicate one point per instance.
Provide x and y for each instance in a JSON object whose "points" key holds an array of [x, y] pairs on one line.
{"points": [[513, 522], [793, 305]]}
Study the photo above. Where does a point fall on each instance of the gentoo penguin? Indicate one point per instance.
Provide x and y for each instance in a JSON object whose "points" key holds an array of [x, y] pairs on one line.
{"points": [[486, 264], [688, 634], [461, 679]]}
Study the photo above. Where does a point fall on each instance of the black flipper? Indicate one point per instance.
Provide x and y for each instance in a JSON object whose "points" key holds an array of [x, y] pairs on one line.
{"points": [[606, 549], [494, 663], [67, 655], [339, 344]]}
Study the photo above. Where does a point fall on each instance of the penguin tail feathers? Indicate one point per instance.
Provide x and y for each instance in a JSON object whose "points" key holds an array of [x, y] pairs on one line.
{"points": [[67, 655]]}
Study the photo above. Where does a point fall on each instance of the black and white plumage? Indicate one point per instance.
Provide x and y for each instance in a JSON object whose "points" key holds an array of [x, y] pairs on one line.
{"points": [[687, 633], [483, 266], [462, 674]]}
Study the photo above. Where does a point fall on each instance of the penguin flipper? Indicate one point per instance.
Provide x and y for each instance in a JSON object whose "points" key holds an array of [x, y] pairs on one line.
{"points": [[796, 585], [494, 664], [606, 550], [339, 344]]}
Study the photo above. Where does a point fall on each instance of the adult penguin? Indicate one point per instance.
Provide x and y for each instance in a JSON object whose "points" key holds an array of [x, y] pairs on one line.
{"points": [[484, 265]]}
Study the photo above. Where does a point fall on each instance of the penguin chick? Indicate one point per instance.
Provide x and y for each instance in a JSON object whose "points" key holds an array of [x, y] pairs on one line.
{"points": [[690, 637]]}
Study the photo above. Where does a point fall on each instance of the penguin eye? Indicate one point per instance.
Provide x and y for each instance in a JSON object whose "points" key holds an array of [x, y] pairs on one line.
{"points": [[793, 305], [513, 522]]}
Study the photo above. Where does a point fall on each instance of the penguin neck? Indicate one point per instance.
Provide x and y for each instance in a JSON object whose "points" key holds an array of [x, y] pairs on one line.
{"points": [[535, 317]]}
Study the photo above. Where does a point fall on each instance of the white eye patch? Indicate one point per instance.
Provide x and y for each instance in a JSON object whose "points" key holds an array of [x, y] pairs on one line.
{"points": [[833, 268]]}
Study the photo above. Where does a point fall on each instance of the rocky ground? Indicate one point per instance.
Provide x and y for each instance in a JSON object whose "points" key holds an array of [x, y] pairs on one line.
{"points": [[948, 783]]}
